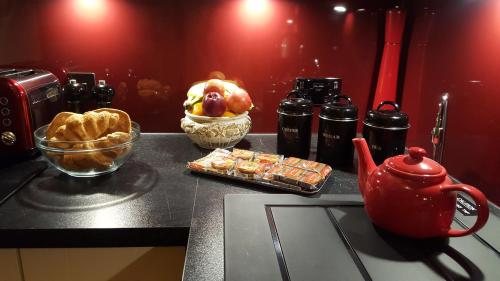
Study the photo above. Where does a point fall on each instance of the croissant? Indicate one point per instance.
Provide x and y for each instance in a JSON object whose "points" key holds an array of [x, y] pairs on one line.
{"points": [[103, 128]]}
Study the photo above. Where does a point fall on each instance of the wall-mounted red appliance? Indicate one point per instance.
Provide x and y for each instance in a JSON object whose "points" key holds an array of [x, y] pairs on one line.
{"points": [[29, 98]]}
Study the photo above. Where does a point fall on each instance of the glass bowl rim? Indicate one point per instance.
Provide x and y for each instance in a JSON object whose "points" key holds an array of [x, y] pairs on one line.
{"points": [[135, 133]]}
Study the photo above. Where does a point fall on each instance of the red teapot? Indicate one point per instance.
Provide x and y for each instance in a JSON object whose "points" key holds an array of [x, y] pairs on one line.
{"points": [[411, 195]]}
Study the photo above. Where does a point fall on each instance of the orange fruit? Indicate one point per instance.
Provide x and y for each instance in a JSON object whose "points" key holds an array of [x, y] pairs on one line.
{"points": [[228, 114], [198, 109]]}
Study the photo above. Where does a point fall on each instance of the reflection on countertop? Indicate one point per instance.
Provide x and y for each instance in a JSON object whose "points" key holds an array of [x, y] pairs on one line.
{"points": [[55, 191]]}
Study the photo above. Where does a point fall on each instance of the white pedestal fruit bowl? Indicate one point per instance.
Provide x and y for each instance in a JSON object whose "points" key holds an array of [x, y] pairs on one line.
{"points": [[216, 132]]}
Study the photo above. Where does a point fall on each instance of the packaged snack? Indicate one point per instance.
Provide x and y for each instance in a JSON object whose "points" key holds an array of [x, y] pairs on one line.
{"points": [[266, 169], [268, 158], [222, 165], [278, 172], [276, 169], [321, 168], [249, 170], [325, 172], [311, 165], [205, 163], [242, 154], [310, 180], [293, 175], [305, 178], [291, 161], [267, 161], [286, 174]]}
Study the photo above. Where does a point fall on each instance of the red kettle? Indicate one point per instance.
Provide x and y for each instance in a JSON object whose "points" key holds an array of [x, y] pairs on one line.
{"points": [[411, 195]]}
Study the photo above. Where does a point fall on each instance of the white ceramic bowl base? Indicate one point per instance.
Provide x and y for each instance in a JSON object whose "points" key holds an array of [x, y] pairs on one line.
{"points": [[216, 132]]}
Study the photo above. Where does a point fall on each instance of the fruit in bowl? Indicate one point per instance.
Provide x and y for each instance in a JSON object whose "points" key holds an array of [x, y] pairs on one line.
{"points": [[217, 114], [239, 101], [214, 104], [236, 99], [215, 85]]}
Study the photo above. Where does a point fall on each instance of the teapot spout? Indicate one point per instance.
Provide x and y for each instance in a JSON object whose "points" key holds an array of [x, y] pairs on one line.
{"points": [[365, 162]]}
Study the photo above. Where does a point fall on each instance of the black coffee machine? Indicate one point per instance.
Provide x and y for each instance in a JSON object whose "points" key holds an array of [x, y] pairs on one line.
{"points": [[82, 93], [317, 90]]}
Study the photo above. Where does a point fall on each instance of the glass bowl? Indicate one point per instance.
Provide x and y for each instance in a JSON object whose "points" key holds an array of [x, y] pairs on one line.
{"points": [[86, 158]]}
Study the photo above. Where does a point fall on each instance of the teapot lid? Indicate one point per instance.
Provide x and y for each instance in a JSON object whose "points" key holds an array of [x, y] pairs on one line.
{"points": [[415, 164]]}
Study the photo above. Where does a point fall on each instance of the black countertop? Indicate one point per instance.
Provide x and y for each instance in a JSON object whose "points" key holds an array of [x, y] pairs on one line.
{"points": [[151, 200], [205, 252]]}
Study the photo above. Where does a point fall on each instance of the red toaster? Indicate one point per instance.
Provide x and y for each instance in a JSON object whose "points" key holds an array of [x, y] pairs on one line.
{"points": [[29, 98]]}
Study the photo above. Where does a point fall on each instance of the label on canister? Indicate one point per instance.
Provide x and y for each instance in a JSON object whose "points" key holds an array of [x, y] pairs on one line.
{"points": [[290, 133]]}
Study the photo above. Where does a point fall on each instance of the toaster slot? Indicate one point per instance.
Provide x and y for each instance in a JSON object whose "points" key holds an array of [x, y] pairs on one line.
{"points": [[20, 73], [7, 71]]}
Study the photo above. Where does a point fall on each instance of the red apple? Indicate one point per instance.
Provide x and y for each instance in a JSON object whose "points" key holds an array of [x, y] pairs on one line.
{"points": [[239, 101], [214, 85], [214, 104]]}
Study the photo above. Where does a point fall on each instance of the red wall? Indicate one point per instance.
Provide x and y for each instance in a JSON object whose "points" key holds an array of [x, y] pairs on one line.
{"points": [[455, 48], [179, 42]]}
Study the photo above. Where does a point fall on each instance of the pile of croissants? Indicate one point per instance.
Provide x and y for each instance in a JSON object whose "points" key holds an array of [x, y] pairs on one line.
{"points": [[90, 139]]}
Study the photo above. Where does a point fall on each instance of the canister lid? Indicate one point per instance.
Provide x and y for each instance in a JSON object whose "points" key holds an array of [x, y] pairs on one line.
{"points": [[339, 110], [387, 118], [295, 106]]}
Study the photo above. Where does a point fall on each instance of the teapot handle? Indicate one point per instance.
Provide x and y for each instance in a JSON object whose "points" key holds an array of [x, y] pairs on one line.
{"points": [[481, 204]]}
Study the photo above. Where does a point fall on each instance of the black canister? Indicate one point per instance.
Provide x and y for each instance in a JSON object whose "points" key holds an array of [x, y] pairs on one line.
{"points": [[103, 94], [294, 127], [337, 127], [318, 90], [385, 131]]}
